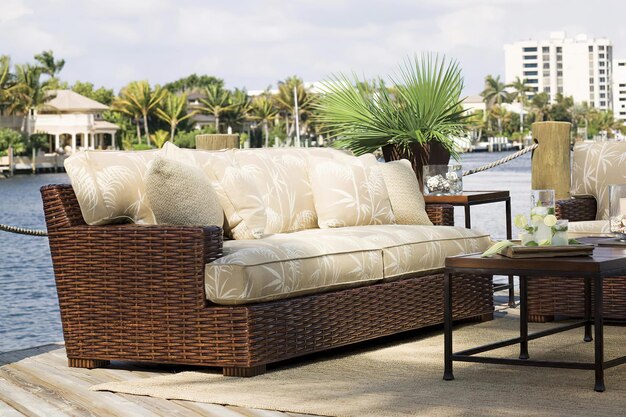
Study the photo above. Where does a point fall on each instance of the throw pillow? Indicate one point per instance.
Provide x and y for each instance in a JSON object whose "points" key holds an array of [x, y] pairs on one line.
{"points": [[349, 191], [109, 186], [407, 202], [181, 194]]}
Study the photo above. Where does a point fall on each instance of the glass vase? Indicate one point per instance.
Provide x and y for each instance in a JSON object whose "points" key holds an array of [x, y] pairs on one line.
{"points": [[617, 210], [542, 205], [443, 179]]}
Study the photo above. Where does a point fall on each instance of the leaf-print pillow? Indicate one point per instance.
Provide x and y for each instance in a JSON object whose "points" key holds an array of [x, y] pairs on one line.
{"points": [[594, 167], [110, 186], [349, 191]]}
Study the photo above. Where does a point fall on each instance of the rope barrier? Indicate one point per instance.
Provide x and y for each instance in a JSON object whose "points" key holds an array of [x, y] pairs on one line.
{"points": [[23, 231], [40, 232], [500, 161]]}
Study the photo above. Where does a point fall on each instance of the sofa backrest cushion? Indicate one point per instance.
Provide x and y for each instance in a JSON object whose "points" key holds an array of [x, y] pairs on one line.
{"points": [[110, 186], [244, 211], [349, 191], [407, 201], [596, 165], [181, 194]]}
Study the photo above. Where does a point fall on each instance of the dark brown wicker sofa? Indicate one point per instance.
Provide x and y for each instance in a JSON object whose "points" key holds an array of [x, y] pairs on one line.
{"points": [[137, 293]]}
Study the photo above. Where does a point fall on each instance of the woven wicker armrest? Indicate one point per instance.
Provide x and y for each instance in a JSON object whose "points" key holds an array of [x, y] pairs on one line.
{"points": [[577, 209], [440, 214]]}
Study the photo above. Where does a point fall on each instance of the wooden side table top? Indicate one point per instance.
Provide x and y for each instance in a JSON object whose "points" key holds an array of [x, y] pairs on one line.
{"points": [[605, 261], [468, 197]]}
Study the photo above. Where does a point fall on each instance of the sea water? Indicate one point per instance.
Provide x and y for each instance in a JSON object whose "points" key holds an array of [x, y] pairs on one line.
{"points": [[29, 311]]}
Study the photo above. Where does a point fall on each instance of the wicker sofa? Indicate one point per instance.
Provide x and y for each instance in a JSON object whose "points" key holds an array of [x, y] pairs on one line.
{"points": [[594, 167], [140, 292]]}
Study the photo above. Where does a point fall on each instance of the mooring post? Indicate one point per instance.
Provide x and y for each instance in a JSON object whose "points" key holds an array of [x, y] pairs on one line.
{"points": [[10, 152], [550, 162], [213, 142]]}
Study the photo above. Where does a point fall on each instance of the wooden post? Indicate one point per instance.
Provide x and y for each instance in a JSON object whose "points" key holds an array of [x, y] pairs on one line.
{"points": [[34, 162], [10, 152], [550, 166], [217, 141]]}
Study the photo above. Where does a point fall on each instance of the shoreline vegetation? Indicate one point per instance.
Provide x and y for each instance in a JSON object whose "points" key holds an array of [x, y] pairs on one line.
{"points": [[148, 115]]}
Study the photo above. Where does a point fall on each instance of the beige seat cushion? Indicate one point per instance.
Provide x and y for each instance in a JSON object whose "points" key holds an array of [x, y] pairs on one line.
{"points": [[407, 201], [596, 165], [109, 186], [287, 265], [244, 211], [317, 260], [349, 191], [181, 194], [595, 228]]}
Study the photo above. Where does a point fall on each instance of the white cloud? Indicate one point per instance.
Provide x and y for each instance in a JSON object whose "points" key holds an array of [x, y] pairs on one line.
{"points": [[13, 10]]}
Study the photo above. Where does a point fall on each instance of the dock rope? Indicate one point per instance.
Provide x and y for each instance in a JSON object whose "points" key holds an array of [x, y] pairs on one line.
{"points": [[500, 161], [23, 231], [41, 232]]}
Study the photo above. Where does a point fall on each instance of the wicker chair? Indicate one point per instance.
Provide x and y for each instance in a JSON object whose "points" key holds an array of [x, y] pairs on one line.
{"points": [[595, 165], [136, 293]]}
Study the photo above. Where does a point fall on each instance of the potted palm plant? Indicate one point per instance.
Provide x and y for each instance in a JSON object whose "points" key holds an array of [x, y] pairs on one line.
{"points": [[416, 117]]}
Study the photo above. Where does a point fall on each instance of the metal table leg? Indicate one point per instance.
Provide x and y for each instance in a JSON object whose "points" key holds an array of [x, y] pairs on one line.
{"points": [[598, 327], [588, 337], [523, 329]]}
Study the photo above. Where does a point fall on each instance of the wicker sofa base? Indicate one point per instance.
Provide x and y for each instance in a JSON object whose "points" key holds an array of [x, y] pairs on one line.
{"points": [[550, 297], [243, 339]]}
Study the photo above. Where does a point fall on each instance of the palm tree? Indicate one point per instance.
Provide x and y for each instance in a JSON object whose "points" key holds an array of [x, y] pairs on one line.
{"points": [[263, 110], [216, 102], [173, 110], [520, 88], [286, 102], [495, 94], [541, 106], [49, 65], [138, 97], [29, 93], [580, 115], [238, 109], [7, 83]]}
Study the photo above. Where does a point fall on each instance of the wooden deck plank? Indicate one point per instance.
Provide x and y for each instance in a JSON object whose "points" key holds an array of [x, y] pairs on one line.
{"points": [[7, 411], [38, 382]]}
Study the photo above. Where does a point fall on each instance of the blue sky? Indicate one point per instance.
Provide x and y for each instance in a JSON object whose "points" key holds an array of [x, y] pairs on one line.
{"points": [[254, 44]]}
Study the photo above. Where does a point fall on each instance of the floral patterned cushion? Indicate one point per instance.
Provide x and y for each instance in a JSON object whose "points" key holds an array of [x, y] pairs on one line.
{"points": [[595, 166], [349, 191], [407, 201], [109, 186], [316, 260]]}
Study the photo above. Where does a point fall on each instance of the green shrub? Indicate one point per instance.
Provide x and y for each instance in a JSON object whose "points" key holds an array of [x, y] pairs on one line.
{"points": [[9, 137]]}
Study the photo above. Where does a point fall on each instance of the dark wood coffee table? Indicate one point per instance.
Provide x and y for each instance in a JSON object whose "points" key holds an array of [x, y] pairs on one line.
{"points": [[605, 262]]}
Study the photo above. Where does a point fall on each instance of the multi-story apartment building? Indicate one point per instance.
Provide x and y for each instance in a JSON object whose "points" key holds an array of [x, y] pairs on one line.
{"points": [[579, 67], [619, 89]]}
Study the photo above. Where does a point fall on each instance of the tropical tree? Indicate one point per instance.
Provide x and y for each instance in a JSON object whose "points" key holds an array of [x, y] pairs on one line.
{"points": [[561, 110], [216, 102], [286, 103], [238, 108], [580, 116], [30, 93], [173, 110], [159, 138], [139, 98], [7, 83], [49, 65], [193, 82], [520, 88], [495, 94], [87, 89], [541, 106], [262, 109]]}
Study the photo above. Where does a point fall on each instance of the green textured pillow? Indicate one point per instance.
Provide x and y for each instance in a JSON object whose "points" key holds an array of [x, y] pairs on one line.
{"points": [[181, 194]]}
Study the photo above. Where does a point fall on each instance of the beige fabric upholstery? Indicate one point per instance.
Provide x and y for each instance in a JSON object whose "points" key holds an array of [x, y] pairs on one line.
{"points": [[595, 228], [595, 166], [316, 260], [349, 191], [407, 201], [181, 194], [109, 186], [242, 203]]}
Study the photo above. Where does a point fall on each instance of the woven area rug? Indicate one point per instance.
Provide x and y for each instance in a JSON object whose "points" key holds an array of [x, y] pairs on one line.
{"points": [[403, 377]]}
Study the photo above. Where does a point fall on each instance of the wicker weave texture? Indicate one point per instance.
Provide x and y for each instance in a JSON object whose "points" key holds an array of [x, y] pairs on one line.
{"points": [[440, 214], [576, 209], [130, 292]]}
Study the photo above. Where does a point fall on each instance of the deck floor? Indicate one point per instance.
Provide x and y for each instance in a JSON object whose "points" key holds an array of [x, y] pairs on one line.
{"points": [[37, 382]]}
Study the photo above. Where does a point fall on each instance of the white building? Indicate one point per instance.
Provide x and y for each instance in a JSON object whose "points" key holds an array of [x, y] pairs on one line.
{"points": [[579, 67], [619, 89], [73, 121]]}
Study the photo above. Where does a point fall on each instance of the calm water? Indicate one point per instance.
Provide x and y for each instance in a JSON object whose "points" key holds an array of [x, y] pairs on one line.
{"points": [[29, 314]]}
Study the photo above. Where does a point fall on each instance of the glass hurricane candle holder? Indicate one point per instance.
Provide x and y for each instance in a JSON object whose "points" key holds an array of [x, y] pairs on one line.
{"points": [[443, 179], [617, 210]]}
